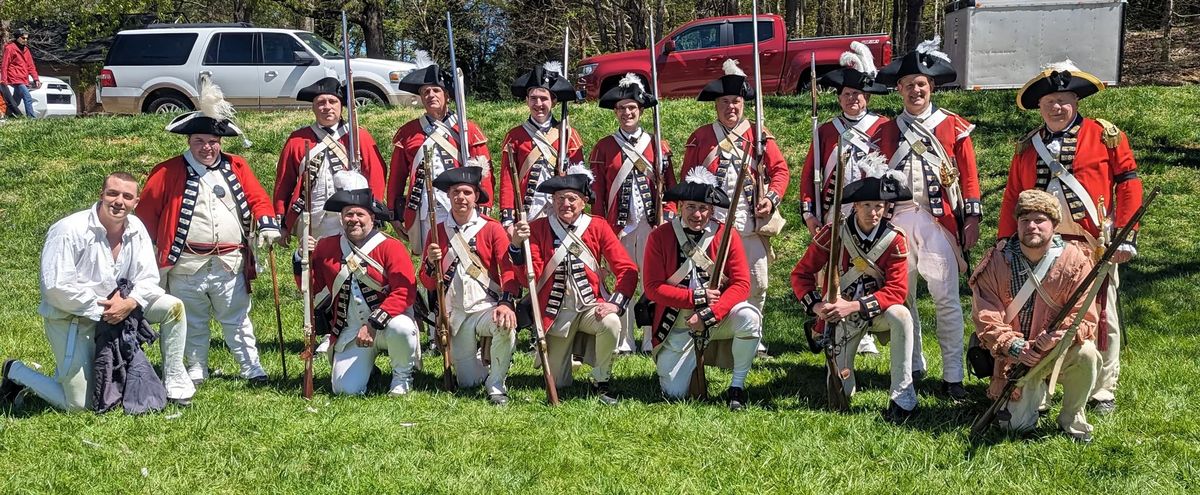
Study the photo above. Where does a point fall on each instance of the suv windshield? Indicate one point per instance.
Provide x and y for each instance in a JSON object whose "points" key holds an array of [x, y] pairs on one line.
{"points": [[323, 48]]}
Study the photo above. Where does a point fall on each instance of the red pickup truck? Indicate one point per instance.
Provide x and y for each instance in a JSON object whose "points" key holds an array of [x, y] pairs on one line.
{"points": [[692, 55]]}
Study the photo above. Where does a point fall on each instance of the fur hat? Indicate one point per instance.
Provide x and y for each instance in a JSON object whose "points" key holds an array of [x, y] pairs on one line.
{"points": [[1038, 201]]}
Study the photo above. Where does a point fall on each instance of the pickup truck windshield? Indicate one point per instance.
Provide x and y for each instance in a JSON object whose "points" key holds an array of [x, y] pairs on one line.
{"points": [[323, 48]]}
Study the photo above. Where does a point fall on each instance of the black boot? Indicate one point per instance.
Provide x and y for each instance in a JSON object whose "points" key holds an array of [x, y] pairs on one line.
{"points": [[954, 390], [606, 396], [898, 415], [736, 398], [8, 388]]}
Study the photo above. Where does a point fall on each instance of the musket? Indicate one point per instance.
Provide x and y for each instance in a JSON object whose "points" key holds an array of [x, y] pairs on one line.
{"points": [[659, 159], [835, 376], [352, 113], [460, 100], [310, 337], [563, 127], [278, 313], [760, 183], [1020, 374], [442, 320], [818, 160], [539, 333], [698, 386]]}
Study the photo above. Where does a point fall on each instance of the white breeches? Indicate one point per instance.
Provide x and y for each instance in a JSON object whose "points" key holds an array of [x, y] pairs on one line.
{"points": [[898, 323], [635, 245], [676, 357], [560, 341], [352, 366], [214, 292], [931, 255], [469, 367]]}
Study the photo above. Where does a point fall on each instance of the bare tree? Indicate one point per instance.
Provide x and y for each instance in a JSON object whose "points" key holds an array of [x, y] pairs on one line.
{"points": [[1164, 49]]}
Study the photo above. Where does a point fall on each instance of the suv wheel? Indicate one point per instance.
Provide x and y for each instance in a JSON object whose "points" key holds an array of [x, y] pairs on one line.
{"points": [[168, 103], [365, 97]]}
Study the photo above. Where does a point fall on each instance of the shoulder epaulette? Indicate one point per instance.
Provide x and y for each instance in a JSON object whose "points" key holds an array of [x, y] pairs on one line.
{"points": [[1111, 134], [1023, 143]]}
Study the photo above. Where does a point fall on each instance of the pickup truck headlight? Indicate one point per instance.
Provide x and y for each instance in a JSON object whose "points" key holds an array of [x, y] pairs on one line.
{"points": [[587, 70], [396, 75]]}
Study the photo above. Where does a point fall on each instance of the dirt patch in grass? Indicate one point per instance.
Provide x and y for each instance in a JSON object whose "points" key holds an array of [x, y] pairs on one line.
{"points": [[1142, 51]]}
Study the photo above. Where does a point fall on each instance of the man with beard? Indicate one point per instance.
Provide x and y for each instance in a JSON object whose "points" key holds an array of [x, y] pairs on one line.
{"points": [[1018, 287]]}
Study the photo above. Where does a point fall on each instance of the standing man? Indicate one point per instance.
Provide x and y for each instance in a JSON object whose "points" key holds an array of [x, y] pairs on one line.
{"points": [[1018, 287], [85, 256], [326, 142], [436, 130], [475, 264], [18, 71], [679, 265], [932, 148], [627, 183], [721, 148], [203, 209], [1088, 165], [533, 145], [852, 133], [873, 274], [566, 249], [365, 284]]}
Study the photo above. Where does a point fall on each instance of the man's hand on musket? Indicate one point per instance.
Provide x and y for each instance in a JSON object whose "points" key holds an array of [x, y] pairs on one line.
{"points": [[838, 310], [1045, 342], [1029, 356], [695, 324], [764, 208], [1122, 254], [117, 308], [604, 309], [366, 336], [712, 295], [520, 232], [504, 317], [311, 244], [811, 222], [971, 231], [435, 253]]}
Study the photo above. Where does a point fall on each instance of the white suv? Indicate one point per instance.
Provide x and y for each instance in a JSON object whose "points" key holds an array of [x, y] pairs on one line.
{"points": [[158, 69]]}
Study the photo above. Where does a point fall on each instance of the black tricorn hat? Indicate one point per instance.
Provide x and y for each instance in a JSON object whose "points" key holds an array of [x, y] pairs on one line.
{"points": [[733, 83], [1056, 77], [198, 123], [848, 77], [925, 60], [630, 88], [885, 188], [430, 75], [578, 178], [472, 175], [361, 198], [324, 86], [549, 77], [699, 186]]}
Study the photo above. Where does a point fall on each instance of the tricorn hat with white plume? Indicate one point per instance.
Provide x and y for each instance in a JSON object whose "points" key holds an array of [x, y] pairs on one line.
{"points": [[1057, 77], [629, 87], [426, 73], [878, 183], [700, 185], [733, 83], [473, 174], [926, 60], [548, 76], [578, 178], [857, 72], [213, 116]]}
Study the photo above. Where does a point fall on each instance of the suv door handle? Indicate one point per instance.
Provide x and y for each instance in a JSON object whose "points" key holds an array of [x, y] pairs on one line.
{"points": [[270, 73], [714, 58], [768, 53]]}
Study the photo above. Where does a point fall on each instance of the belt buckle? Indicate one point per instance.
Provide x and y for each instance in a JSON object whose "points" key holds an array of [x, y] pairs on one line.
{"points": [[474, 271], [575, 249], [920, 147]]}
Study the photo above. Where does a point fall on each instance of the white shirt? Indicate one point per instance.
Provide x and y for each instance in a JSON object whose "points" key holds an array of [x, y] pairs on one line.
{"points": [[637, 209], [466, 294], [916, 174], [78, 269]]}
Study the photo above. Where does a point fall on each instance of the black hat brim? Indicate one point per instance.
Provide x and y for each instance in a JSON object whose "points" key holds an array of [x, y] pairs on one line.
{"points": [[472, 176], [876, 189], [197, 123], [917, 63], [700, 193], [573, 182], [361, 198], [613, 96], [727, 85], [1050, 81], [430, 75], [325, 86], [847, 77]]}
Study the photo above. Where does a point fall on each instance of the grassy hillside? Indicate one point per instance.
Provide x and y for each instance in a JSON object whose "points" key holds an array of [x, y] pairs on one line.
{"points": [[236, 439]]}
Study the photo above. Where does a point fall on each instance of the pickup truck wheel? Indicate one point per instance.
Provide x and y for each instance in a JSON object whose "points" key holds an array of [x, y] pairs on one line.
{"points": [[168, 103], [365, 97]]}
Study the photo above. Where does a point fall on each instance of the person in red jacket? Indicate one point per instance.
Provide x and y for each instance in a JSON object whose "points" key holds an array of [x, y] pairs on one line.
{"points": [[627, 181], [202, 210], [18, 71], [679, 265], [721, 147], [326, 142], [472, 251], [436, 131], [874, 282], [532, 147], [566, 249], [1088, 165], [365, 285], [932, 148], [851, 133]]}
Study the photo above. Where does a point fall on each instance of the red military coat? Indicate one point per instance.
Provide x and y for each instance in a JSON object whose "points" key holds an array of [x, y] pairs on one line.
{"points": [[599, 239], [491, 244], [606, 161], [287, 172], [893, 289], [162, 199], [1104, 171], [407, 142], [663, 258], [521, 144], [704, 139], [827, 135], [397, 278], [954, 132]]}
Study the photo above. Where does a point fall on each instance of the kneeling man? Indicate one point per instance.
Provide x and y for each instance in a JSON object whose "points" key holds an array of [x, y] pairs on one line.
{"points": [[365, 285], [679, 263]]}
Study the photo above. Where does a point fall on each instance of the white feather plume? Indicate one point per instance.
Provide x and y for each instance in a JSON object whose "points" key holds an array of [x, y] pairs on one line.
{"points": [[553, 66], [701, 175], [212, 101], [422, 59], [873, 165], [930, 47], [632, 79], [1064, 66], [859, 57], [481, 162], [579, 168], [731, 68], [347, 180]]}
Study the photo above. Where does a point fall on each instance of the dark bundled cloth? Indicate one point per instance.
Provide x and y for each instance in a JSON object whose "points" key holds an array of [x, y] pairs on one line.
{"points": [[123, 375]]}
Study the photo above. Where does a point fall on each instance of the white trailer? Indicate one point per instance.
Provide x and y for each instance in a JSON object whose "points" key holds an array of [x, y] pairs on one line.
{"points": [[997, 44]]}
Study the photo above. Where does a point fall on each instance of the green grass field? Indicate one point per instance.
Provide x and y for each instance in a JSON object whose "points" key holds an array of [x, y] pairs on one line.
{"points": [[235, 439]]}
